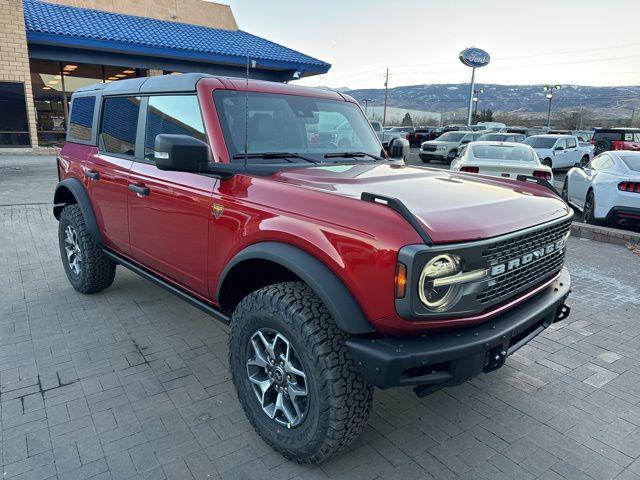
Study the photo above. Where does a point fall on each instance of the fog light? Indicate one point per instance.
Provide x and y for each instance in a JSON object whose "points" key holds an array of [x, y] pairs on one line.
{"points": [[434, 297]]}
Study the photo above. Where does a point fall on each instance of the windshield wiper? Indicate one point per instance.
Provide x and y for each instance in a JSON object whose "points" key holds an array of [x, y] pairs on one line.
{"points": [[283, 155], [352, 155]]}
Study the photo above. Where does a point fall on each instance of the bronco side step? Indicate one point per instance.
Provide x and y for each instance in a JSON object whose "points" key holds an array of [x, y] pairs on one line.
{"points": [[401, 208]]}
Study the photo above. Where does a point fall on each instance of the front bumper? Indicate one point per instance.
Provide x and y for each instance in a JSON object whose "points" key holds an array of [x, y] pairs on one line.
{"points": [[455, 356], [431, 155]]}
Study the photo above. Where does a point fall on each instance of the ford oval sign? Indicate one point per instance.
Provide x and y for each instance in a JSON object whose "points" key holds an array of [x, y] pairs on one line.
{"points": [[474, 57]]}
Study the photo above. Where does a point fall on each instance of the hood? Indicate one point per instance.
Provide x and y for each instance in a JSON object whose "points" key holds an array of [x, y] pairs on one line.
{"points": [[439, 142], [451, 206]]}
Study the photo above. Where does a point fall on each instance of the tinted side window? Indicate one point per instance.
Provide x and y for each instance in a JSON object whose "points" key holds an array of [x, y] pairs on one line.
{"points": [[81, 118], [119, 124], [571, 143], [172, 114]]}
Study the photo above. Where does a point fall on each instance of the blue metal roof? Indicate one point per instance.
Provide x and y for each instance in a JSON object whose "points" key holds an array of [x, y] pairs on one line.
{"points": [[67, 26]]}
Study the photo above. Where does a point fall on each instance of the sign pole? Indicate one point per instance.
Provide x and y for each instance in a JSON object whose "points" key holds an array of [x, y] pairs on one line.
{"points": [[471, 88]]}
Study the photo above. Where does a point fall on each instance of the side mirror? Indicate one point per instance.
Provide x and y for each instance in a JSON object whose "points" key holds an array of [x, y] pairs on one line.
{"points": [[559, 147], [464, 142], [180, 153], [398, 149]]}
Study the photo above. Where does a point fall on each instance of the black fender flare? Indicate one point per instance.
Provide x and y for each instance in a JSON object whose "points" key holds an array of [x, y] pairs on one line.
{"points": [[329, 288], [78, 191]]}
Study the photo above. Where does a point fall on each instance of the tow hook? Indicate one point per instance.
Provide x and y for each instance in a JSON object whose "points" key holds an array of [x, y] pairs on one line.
{"points": [[562, 312], [495, 359]]}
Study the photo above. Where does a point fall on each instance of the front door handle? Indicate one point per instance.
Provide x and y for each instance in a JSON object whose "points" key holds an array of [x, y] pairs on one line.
{"points": [[92, 174], [140, 190]]}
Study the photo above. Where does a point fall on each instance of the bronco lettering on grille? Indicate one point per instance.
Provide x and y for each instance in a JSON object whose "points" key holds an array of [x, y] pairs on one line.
{"points": [[537, 254]]}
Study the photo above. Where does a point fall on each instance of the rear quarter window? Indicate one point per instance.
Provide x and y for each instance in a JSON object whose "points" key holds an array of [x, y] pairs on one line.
{"points": [[81, 119]]}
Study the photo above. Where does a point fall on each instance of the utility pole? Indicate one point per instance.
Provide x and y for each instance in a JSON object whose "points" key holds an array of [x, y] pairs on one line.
{"points": [[386, 90]]}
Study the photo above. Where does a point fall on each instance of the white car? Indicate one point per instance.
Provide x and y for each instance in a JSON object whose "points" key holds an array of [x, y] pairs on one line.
{"points": [[607, 188], [501, 159], [560, 151]]}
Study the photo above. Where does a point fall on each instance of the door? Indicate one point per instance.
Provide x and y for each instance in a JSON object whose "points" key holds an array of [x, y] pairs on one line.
{"points": [[169, 212], [574, 155], [107, 169], [560, 159]]}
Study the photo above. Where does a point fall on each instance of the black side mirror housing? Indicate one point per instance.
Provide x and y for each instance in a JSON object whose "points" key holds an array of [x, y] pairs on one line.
{"points": [[180, 153], [559, 147], [398, 148]]}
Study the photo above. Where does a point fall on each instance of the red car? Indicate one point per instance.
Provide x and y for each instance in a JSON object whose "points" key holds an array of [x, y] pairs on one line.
{"points": [[337, 270]]}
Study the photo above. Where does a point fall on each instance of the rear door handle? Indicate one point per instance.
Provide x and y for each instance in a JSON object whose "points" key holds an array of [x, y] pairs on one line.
{"points": [[92, 174], [140, 190]]}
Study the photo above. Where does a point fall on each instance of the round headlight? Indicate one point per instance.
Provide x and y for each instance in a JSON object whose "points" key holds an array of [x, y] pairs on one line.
{"points": [[441, 297]]}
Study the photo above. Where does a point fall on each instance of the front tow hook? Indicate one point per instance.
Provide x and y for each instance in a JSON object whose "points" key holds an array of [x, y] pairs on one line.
{"points": [[562, 312]]}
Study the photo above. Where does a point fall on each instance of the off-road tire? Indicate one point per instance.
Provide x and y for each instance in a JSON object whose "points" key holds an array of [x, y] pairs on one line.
{"points": [[425, 159], [547, 162], [584, 161], [451, 156], [565, 191], [340, 399], [97, 271]]}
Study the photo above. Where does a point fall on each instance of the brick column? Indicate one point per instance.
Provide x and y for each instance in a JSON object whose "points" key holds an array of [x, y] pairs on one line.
{"points": [[14, 56]]}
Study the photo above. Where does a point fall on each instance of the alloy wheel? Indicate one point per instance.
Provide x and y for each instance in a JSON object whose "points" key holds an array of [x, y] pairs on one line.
{"points": [[72, 249], [277, 377]]}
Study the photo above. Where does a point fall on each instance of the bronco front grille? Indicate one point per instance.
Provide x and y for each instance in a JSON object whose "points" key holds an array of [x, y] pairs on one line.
{"points": [[513, 281]]}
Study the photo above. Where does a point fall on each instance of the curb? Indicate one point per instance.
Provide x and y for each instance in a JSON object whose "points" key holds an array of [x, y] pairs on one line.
{"points": [[604, 234]]}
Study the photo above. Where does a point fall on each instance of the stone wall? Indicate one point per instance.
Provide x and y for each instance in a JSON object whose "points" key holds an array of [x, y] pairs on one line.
{"points": [[14, 56]]}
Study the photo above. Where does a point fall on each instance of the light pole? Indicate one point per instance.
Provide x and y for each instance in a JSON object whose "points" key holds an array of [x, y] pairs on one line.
{"points": [[476, 94], [366, 105], [550, 89]]}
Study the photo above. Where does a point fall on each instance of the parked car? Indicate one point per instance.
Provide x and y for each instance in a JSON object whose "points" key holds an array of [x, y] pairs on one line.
{"points": [[605, 139], [560, 151], [385, 136], [502, 137], [478, 128], [335, 269], [423, 134], [456, 127], [607, 189], [583, 135], [446, 147], [501, 159], [492, 126]]}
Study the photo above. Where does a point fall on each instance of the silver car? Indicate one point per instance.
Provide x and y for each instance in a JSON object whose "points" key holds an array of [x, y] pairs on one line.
{"points": [[447, 146]]}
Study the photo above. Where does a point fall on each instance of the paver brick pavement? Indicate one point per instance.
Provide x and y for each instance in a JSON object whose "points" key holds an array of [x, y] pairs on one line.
{"points": [[133, 383]]}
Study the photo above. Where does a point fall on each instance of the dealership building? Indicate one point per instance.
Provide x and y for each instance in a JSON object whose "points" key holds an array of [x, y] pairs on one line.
{"points": [[50, 49]]}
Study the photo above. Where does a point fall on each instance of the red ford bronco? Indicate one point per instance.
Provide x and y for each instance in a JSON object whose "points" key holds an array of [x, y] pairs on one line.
{"points": [[337, 270]]}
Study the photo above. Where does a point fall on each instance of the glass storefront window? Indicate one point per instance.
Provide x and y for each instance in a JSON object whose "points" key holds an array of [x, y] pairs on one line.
{"points": [[14, 125], [53, 83]]}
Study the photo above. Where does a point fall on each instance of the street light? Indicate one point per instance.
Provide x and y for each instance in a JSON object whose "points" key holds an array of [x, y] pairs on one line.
{"points": [[366, 105], [476, 94], [550, 89]]}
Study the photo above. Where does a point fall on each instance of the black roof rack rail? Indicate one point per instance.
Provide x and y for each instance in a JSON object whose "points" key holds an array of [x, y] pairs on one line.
{"points": [[540, 181], [401, 208]]}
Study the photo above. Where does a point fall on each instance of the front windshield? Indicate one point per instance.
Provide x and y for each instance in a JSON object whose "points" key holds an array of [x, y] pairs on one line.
{"points": [[540, 142], [503, 152], [307, 126], [451, 136]]}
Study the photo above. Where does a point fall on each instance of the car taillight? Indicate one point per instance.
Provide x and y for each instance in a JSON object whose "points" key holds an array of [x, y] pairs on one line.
{"points": [[592, 141], [617, 145], [408, 136], [470, 169], [542, 174], [629, 187]]}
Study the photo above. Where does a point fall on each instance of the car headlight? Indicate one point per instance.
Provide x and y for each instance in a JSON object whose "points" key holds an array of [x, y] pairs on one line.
{"points": [[435, 295]]}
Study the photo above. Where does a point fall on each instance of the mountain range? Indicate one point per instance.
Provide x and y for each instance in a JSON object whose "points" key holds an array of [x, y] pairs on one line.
{"points": [[521, 100]]}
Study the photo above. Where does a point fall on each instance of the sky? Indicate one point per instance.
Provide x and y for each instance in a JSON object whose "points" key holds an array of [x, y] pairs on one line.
{"points": [[570, 42]]}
